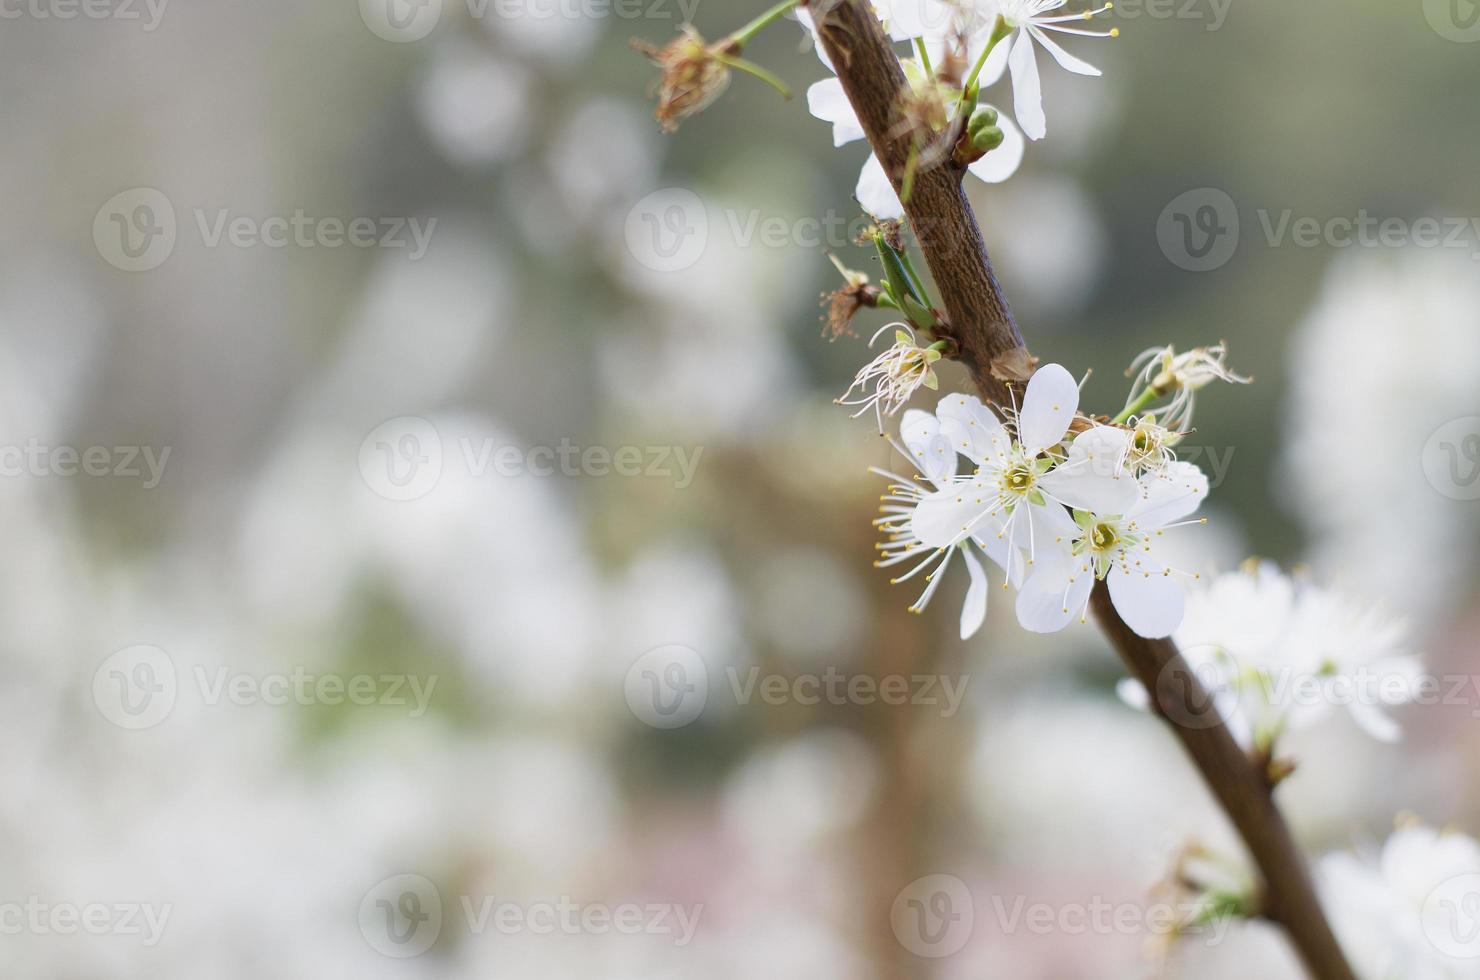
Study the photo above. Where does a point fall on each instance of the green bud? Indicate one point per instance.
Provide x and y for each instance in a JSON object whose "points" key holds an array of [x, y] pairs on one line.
{"points": [[985, 117], [987, 139]]}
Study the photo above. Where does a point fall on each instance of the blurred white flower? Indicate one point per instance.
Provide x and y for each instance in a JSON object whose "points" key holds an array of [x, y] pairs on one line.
{"points": [[1278, 653], [475, 105], [1391, 351], [1414, 912]]}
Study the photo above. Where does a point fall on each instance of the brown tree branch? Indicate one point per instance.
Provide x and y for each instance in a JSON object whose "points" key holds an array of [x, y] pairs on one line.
{"points": [[983, 327]]}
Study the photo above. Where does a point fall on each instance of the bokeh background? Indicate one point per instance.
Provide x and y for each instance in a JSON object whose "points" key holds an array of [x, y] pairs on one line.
{"points": [[329, 505]]}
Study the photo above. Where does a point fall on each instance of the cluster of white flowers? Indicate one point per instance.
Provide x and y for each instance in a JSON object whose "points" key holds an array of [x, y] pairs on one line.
{"points": [[994, 37], [1054, 501], [1277, 653]]}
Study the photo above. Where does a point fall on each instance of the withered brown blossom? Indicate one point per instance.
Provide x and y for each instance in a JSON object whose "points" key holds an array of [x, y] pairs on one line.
{"points": [[694, 74], [843, 305]]}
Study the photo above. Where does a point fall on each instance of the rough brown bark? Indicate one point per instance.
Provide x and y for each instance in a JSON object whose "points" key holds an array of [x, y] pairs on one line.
{"points": [[984, 329]]}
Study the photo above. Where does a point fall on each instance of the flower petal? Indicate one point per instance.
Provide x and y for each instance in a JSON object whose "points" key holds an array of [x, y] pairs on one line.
{"points": [[928, 447], [1094, 477], [810, 23], [1169, 496], [1066, 60], [973, 429], [875, 193], [947, 516], [1055, 593], [974, 612], [1049, 405], [826, 101], [1147, 599], [1004, 161], [1027, 93], [1372, 720]]}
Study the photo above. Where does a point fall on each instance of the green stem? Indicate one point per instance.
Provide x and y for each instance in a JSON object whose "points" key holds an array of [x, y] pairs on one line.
{"points": [[752, 68], [999, 31], [924, 56], [1147, 398], [746, 34]]}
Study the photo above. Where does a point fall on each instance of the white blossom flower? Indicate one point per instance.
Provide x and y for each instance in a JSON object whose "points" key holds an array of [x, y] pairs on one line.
{"points": [[1160, 372], [1413, 912], [895, 375], [931, 443], [1276, 653], [1014, 502], [1029, 20], [1117, 545], [934, 24]]}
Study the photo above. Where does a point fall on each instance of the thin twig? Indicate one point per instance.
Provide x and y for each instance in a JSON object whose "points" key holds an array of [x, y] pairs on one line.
{"points": [[982, 325]]}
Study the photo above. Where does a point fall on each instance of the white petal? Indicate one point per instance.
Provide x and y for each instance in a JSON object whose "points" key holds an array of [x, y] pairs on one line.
{"points": [[1004, 161], [826, 101], [1048, 406], [1147, 599], [975, 432], [875, 192], [1374, 722], [1054, 594], [996, 65], [1169, 496], [930, 450], [947, 516], [909, 19], [1133, 693], [1035, 530], [1093, 478], [1064, 58], [974, 613], [1002, 552], [1027, 94], [805, 16]]}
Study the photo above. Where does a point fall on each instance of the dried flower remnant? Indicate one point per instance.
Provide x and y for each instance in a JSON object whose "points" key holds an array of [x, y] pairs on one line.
{"points": [[894, 375], [693, 76]]}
